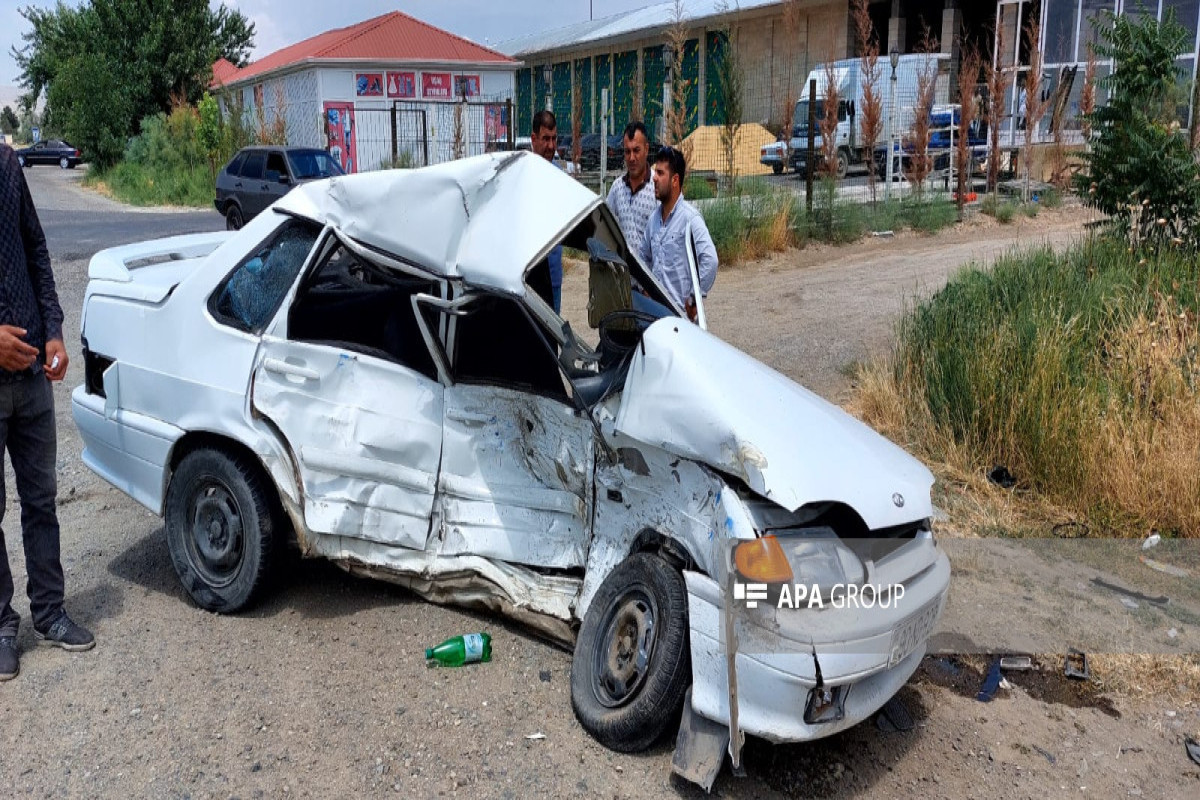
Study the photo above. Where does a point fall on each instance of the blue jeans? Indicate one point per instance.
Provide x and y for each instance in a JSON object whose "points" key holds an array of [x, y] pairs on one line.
{"points": [[28, 432]]}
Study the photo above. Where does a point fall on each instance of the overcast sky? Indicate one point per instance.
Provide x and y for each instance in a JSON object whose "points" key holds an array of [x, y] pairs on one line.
{"points": [[279, 23]]}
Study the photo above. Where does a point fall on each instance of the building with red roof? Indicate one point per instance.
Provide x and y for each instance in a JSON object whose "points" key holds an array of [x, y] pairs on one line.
{"points": [[388, 90]]}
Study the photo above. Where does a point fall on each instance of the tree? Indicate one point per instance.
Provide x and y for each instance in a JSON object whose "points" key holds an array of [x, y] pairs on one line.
{"points": [[998, 80], [731, 83], [93, 109], [9, 123], [968, 76], [208, 131], [1035, 103], [160, 49], [1142, 172], [871, 113]]}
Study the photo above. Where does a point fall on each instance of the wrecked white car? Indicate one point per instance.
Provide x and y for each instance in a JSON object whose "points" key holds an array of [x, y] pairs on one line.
{"points": [[365, 370]]}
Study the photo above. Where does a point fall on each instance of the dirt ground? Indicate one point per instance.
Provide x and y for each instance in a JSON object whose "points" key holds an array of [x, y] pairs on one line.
{"points": [[321, 690]]}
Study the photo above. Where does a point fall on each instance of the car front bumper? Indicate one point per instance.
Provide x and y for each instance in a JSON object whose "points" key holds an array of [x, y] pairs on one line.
{"points": [[773, 688]]}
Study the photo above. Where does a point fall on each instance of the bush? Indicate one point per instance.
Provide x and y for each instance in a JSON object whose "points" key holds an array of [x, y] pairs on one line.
{"points": [[1141, 169], [696, 188], [1080, 372]]}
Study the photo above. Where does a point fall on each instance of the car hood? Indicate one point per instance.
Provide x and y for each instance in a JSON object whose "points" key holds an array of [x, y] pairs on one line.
{"points": [[699, 398], [486, 219]]}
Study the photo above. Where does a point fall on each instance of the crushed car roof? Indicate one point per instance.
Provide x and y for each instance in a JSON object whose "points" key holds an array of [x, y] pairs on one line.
{"points": [[486, 219]]}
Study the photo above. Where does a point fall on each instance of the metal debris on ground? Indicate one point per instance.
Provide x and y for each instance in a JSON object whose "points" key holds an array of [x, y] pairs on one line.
{"points": [[1151, 540], [1161, 600], [1016, 663], [1047, 754], [1076, 665], [991, 683], [894, 717], [1167, 569], [536, 737]]}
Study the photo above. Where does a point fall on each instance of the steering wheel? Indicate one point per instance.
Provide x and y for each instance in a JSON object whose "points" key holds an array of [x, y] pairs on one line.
{"points": [[624, 339]]}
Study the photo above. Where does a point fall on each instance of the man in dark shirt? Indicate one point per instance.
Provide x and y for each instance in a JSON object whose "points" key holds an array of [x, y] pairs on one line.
{"points": [[31, 356]]}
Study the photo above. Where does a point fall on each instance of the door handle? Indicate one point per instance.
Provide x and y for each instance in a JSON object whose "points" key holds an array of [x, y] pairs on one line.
{"points": [[238, 185], [290, 370]]}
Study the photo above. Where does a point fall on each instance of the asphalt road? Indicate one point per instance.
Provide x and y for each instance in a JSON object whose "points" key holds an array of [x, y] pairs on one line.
{"points": [[77, 225]]}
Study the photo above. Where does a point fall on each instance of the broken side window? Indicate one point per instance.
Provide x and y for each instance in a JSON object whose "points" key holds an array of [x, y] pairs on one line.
{"points": [[497, 343], [351, 303], [248, 298]]}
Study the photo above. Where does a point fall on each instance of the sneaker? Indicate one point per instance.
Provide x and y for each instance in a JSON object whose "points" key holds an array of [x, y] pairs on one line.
{"points": [[66, 634], [10, 665]]}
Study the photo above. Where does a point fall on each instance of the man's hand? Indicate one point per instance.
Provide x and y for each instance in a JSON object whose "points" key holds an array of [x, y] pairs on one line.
{"points": [[56, 360], [690, 308], [15, 353]]}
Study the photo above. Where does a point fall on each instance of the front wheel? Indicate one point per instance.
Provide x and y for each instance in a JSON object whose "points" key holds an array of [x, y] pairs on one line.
{"points": [[632, 665], [222, 528]]}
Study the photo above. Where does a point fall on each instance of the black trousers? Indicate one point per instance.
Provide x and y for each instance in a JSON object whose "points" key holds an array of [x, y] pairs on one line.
{"points": [[28, 433]]}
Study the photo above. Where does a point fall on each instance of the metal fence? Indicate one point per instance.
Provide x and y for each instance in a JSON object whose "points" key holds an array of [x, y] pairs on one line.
{"points": [[776, 140]]}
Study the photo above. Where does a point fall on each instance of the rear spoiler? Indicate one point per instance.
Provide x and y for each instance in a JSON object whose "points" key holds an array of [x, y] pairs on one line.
{"points": [[114, 263]]}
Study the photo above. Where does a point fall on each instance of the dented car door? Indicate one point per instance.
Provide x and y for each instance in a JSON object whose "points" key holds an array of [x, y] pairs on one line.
{"points": [[366, 435], [516, 478]]}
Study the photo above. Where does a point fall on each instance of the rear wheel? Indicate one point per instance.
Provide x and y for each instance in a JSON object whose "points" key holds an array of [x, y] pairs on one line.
{"points": [[233, 217], [632, 663], [223, 528], [64, 162], [21, 161], [777, 169]]}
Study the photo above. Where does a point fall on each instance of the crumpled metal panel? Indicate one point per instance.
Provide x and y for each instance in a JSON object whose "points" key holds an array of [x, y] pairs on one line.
{"points": [[543, 602], [515, 480], [695, 396], [457, 218], [366, 434]]}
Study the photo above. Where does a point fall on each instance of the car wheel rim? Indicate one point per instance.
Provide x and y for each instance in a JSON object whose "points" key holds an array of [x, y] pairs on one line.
{"points": [[621, 659], [215, 534], [62, 162]]}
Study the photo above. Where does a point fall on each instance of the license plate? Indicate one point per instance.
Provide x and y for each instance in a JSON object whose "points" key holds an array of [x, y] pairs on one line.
{"points": [[915, 630]]}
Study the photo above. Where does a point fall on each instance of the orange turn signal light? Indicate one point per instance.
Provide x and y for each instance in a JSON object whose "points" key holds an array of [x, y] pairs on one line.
{"points": [[762, 560]]}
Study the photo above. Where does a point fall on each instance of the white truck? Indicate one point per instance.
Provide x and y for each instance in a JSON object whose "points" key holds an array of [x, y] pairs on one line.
{"points": [[897, 97]]}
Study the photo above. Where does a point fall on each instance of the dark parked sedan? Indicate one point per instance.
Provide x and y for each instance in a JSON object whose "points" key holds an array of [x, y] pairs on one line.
{"points": [[51, 151], [258, 176]]}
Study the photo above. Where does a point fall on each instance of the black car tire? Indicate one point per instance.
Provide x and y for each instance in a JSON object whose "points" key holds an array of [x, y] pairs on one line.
{"points": [[223, 528], [21, 161], [233, 217], [64, 163], [777, 169], [625, 701], [843, 164]]}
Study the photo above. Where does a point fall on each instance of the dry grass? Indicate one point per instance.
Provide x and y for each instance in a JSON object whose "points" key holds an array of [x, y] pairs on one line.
{"points": [[1109, 439]]}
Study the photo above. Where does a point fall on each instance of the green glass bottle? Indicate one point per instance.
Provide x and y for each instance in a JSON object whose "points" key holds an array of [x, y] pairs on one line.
{"points": [[461, 650]]}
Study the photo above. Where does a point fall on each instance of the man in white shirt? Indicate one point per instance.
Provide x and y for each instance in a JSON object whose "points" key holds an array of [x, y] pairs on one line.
{"points": [[665, 247], [631, 197]]}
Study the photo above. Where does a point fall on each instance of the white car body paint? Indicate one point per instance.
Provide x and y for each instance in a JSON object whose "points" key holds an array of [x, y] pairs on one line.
{"points": [[480, 494]]}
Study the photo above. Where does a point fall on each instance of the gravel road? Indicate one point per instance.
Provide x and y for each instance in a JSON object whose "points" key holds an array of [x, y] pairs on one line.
{"points": [[321, 691]]}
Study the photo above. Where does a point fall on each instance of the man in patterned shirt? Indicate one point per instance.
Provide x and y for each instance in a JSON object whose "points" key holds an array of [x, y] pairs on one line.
{"points": [[31, 356], [631, 198]]}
